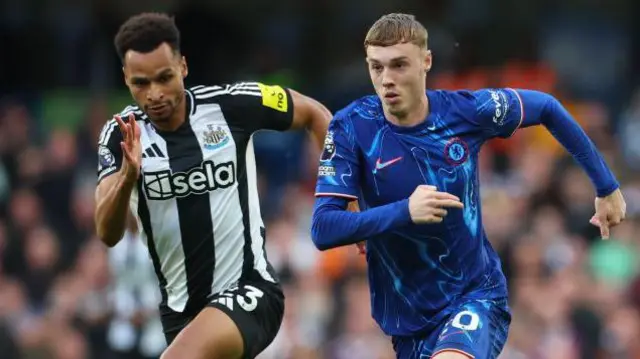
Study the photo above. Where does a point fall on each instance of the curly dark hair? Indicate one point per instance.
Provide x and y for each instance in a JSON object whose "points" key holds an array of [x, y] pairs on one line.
{"points": [[145, 32]]}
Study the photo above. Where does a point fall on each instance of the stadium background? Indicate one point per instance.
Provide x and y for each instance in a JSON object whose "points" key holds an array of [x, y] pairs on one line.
{"points": [[64, 296]]}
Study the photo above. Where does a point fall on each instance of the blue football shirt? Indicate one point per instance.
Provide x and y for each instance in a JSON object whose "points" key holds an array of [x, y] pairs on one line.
{"points": [[417, 272]]}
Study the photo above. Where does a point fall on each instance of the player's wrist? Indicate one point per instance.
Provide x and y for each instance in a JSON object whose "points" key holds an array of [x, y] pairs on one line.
{"points": [[404, 212], [127, 178], [607, 191]]}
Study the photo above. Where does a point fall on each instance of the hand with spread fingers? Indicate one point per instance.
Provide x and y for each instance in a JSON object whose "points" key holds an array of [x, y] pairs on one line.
{"points": [[131, 147]]}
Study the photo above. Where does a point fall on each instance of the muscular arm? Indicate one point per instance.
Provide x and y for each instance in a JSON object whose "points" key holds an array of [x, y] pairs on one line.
{"points": [[112, 214], [311, 115], [116, 179]]}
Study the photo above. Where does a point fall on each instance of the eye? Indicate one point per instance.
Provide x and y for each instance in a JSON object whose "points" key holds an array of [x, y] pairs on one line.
{"points": [[140, 83], [165, 78], [376, 67]]}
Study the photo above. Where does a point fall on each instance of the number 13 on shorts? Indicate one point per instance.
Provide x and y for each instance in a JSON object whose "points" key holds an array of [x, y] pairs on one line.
{"points": [[246, 297]]}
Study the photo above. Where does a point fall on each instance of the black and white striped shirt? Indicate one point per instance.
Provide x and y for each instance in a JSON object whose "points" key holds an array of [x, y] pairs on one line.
{"points": [[197, 196]]}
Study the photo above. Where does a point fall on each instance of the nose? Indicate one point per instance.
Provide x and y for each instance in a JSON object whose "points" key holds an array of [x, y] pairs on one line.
{"points": [[155, 93], [387, 79]]}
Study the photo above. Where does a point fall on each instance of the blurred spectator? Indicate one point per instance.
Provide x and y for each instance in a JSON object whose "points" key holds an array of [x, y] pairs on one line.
{"points": [[64, 295]]}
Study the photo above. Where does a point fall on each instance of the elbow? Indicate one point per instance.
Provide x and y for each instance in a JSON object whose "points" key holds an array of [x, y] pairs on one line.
{"points": [[108, 240], [316, 237], [550, 108], [321, 246], [319, 238], [110, 244], [105, 235], [312, 115]]}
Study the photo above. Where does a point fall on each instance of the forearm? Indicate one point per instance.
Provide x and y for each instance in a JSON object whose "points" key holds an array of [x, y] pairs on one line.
{"points": [[112, 210], [332, 226], [546, 110], [316, 122]]}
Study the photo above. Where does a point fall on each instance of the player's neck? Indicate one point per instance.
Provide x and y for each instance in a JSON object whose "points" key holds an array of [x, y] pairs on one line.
{"points": [[177, 119], [413, 117]]}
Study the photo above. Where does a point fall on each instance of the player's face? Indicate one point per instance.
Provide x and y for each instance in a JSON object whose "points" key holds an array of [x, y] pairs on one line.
{"points": [[398, 73], [156, 80]]}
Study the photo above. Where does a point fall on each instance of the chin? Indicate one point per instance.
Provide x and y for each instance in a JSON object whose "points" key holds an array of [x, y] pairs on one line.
{"points": [[159, 119], [396, 110]]}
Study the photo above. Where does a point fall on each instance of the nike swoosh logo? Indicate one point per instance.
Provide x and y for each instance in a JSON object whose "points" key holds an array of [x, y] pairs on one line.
{"points": [[381, 165]]}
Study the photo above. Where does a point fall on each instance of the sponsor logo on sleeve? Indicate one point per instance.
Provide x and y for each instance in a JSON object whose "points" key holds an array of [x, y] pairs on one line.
{"points": [[274, 97], [501, 106]]}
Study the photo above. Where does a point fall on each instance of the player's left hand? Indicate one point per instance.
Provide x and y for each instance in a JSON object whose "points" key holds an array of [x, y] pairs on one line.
{"points": [[610, 211]]}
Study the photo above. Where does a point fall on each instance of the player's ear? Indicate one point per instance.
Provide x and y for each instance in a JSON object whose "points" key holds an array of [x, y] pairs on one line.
{"points": [[427, 60], [184, 69], [125, 75]]}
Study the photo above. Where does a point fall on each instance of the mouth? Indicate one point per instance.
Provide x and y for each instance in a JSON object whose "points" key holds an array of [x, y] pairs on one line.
{"points": [[157, 109], [392, 97]]}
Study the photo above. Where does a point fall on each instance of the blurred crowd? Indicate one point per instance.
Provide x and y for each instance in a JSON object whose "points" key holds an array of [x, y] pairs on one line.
{"points": [[64, 295]]}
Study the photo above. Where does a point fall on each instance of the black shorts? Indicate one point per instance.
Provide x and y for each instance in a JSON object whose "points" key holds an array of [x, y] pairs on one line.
{"points": [[257, 308]]}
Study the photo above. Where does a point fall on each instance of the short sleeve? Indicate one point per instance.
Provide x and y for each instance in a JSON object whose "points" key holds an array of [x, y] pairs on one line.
{"points": [[499, 112], [255, 106], [338, 171], [109, 150]]}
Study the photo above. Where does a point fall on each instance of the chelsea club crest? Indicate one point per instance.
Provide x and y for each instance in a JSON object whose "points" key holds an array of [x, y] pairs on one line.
{"points": [[215, 137], [456, 151]]}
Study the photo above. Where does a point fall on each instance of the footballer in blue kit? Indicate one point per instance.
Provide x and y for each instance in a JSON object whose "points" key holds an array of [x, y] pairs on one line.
{"points": [[409, 157]]}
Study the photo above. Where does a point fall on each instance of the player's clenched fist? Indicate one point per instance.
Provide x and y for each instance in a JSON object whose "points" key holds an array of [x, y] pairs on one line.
{"points": [[131, 147], [428, 205]]}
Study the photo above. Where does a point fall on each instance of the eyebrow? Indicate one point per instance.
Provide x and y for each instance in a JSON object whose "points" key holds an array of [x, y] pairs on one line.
{"points": [[164, 72], [395, 59]]}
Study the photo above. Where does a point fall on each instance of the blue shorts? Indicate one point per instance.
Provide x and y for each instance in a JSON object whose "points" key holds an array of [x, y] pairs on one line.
{"points": [[477, 328]]}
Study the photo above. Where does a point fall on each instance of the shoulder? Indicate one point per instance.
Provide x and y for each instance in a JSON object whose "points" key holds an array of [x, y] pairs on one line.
{"points": [[243, 95], [364, 108], [134, 110], [110, 131], [231, 91], [453, 98], [126, 114], [460, 104], [479, 99]]}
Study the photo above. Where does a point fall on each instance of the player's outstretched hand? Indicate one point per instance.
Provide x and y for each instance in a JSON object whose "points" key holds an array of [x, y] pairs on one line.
{"points": [[131, 147], [428, 205], [610, 211]]}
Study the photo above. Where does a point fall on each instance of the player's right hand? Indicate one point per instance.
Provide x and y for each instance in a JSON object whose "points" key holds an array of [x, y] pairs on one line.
{"points": [[131, 147], [428, 205]]}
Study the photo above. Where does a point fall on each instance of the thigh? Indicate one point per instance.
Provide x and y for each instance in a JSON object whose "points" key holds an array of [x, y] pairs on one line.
{"points": [[238, 323], [212, 334], [173, 323], [413, 347], [257, 309], [477, 329]]}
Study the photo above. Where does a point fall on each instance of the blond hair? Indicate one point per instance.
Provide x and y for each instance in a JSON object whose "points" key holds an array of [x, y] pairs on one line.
{"points": [[392, 29]]}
